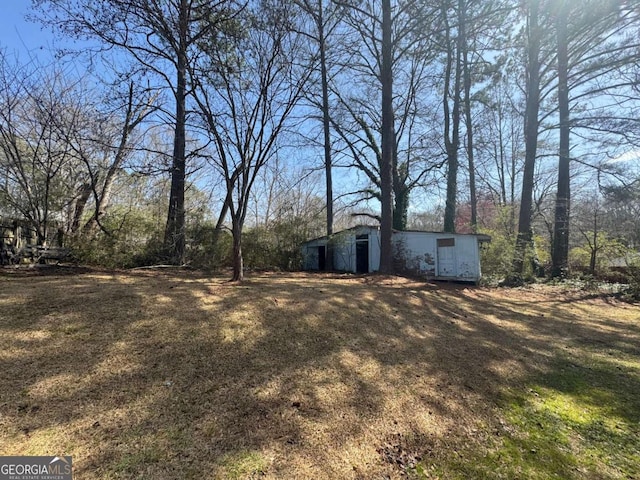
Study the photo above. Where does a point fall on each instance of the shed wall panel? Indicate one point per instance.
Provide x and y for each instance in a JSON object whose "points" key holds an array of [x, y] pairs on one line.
{"points": [[415, 253]]}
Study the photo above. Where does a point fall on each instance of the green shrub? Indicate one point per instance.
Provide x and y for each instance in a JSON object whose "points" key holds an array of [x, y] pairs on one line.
{"points": [[207, 248], [497, 257], [279, 246], [130, 238], [607, 251]]}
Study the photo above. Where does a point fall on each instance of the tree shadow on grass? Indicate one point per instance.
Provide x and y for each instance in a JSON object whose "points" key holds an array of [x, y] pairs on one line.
{"points": [[286, 376], [578, 416]]}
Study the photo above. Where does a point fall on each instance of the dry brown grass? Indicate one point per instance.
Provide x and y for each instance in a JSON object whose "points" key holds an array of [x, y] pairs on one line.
{"points": [[292, 376]]}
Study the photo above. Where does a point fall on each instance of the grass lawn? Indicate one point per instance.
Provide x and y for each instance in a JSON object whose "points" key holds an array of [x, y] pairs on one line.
{"points": [[294, 376]]}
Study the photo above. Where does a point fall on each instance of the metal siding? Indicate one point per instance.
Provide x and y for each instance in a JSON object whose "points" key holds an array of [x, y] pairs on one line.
{"points": [[419, 250], [344, 258], [467, 264], [374, 251], [447, 261]]}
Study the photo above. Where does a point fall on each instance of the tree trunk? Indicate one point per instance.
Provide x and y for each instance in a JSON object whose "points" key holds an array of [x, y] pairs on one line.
{"points": [[401, 209], [102, 203], [326, 121], [523, 240], [326, 126], [175, 231], [512, 184], [79, 206], [592, 262], [563, 196], [466, 72], [103, 199], [594, 247], [220, 223], [452, 129], [238, 267], [16, 230], [388, 144]]}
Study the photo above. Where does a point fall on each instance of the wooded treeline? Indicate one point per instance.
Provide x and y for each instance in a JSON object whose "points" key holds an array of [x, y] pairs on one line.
{"points": [[227, 132]]}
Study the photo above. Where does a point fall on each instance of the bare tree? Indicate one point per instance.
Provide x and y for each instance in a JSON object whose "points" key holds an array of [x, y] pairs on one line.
{"points": [[159, 37], [388, 142], [482, 37], [534, 38], [451, 92], [38, 169], [358, 120], [595, 47], [560, 249], [499, 144], [103, 145], [246, 105], [324, 19]]}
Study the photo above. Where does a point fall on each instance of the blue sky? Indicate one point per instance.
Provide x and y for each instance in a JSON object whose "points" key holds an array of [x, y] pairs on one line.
{"points": [[18, 36]]}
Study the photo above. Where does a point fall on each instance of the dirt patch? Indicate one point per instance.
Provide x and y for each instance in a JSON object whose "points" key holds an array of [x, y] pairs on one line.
{"points": [[168, 375]]}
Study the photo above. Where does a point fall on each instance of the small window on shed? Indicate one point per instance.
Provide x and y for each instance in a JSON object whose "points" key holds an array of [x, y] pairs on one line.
{"points": [[364, 236], [446, 242]]}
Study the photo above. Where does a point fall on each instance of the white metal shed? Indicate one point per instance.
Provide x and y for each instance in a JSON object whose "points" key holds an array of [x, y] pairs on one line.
{"points": [[431, 255]]}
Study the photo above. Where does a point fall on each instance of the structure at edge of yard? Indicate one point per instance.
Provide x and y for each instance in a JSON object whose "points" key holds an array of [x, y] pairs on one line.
{"points": [[19, 243], [430, 255]]}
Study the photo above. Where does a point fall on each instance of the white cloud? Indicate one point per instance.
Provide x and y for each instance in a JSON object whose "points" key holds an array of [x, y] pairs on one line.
{"points": [[626, 157]]}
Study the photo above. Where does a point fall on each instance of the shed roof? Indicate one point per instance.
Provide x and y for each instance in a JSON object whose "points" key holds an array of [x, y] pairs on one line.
{"points": [[481, 236]]}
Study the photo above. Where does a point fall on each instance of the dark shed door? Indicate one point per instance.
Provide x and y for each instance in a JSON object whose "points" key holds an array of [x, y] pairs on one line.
{"points": [[322, 258], [362, 254]]}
